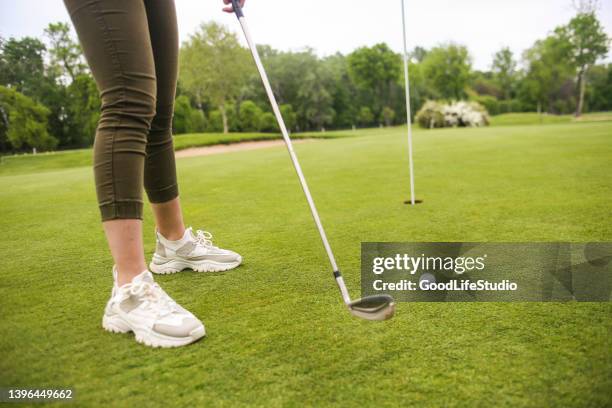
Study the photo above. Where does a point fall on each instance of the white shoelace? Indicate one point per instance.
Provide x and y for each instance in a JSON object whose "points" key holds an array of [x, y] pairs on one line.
{"points": [[153, 295], [204, 238]]}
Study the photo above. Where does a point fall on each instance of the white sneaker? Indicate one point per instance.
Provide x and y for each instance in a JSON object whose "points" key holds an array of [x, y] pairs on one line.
{"points": [[143, 307], [193, 251]]}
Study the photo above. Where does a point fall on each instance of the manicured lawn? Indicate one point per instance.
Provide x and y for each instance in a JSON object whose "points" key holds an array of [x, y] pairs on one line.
{"points": [[532, 118], [277, 332], [29, 163]]}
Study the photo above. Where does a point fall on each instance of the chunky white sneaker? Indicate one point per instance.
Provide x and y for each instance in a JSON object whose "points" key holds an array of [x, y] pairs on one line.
{"points": [[193, 251], [143, 307]]}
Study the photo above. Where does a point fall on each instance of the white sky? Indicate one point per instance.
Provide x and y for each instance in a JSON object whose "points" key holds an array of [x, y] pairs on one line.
{"points": [[343, 25]]}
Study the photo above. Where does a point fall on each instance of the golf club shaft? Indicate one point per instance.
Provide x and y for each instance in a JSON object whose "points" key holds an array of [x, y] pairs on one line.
{"points": [[408, 111], [294, 159]]}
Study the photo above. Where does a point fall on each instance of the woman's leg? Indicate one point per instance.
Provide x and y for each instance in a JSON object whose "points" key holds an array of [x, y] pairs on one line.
{"points": [[125, 241], [169, 219], [115, 38], [160, 168]]}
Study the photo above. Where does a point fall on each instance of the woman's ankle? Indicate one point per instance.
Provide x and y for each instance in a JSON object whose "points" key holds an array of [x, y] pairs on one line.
{"points": [[125, 274], [174, 233]]}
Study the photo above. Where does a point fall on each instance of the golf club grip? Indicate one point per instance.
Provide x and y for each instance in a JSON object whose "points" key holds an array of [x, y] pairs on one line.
{"points": [[237, 8]]}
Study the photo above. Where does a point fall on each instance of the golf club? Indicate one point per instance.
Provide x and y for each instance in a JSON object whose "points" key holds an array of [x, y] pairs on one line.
{"points": [[378, 307], [409, 120]]}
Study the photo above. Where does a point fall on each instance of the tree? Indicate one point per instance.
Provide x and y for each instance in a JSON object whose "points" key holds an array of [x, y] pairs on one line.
{"points": [[548, 69], [448, 68], [212, 67], [22, 68], [365, 116], [268, 123], [342, 89], [376, 71], [418, 54], [22, 65], [419, 90], [250, 116], [183, 115], [588, 42], [289, 116], [599, 92], [387, 115], [24, 121], [66, 57], [301, 80], [82, 111], [504, 71]]}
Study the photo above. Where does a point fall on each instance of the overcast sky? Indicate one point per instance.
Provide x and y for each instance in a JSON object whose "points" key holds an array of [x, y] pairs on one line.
{"points": [[331, 26]]}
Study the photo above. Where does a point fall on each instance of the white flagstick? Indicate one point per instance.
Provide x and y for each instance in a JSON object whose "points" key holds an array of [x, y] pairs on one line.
{"points": [[409, 120]]}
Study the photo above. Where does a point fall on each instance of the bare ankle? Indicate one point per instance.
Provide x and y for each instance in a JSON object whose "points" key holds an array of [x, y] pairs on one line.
{"points": [[172, 234], [126, 274]]}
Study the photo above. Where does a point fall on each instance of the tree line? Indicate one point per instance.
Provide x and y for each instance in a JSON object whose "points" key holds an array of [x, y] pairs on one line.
{"points": [[48, 98]]}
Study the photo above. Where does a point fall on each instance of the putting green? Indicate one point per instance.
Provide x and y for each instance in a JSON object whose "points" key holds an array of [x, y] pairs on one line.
{"points": [[278, 334]]}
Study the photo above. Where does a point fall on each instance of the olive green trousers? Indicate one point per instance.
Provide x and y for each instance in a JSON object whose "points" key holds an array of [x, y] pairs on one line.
{"points": [[131, 47]]}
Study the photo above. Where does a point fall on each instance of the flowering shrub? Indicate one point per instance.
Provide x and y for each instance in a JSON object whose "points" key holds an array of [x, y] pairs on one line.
{"points": [[437, 114], [431, 115]]}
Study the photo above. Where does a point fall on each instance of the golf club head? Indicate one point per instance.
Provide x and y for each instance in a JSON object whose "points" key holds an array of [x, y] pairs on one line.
{"points": [[377, 307]]}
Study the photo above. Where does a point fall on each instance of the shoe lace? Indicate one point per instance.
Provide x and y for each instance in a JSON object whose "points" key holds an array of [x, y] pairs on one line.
{"points": [[153, 296], [204, 238]]}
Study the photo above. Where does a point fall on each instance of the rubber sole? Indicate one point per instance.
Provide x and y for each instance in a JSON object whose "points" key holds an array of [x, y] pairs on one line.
{"points": [[165, 267], [115, 324]]}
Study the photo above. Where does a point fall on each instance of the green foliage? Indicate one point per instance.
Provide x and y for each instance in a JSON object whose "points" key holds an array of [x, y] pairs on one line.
{"points": [[512, 105], [343, 91], [484, 83], [587, 38], [24, 121], [588, 42], [83, 107], [491, 104], [599, 88], [22, 65], [215, 120], [198, 121], [181, 121], [250, 116], [301, 80], [365, 116], [267, 123], [212, 67], [387, 115], [376, 73], [186, 118], [504, 72], [548, 69], [374, 67], [66, 56], [289, 116], [365, 87], [63, 84], [448, 68]]}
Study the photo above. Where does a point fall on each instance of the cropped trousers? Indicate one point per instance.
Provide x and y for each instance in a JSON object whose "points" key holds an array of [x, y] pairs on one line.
{"points": [[131, 47]]}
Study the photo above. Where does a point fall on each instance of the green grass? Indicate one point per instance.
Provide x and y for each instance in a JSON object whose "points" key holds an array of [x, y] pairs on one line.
{"points": [[278, 334], [29, 163], [532, 118]]}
